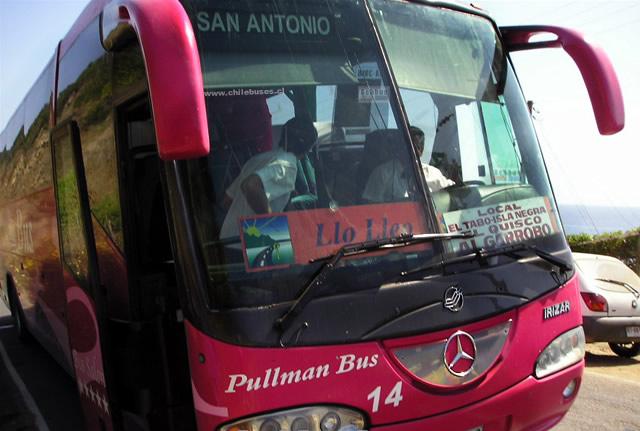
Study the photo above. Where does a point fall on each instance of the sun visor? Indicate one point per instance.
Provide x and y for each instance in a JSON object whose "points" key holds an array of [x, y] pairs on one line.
{"points": [[274, 70], [458, 54]]}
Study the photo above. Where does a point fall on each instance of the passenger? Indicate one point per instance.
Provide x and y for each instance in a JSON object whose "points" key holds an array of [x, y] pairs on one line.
{"points": [[267, 179], [389, 182]]}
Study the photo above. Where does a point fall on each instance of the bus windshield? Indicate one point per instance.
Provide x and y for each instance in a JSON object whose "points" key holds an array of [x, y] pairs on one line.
{"points": [[484, 149], [315, 139]]}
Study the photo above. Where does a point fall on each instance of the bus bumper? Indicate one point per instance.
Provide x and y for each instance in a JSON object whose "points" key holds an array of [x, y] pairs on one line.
{"points": [[531, 405]]}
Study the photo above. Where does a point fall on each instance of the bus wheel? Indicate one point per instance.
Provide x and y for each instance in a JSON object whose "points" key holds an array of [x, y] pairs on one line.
{"points": [[18, 315], [625, 350]]}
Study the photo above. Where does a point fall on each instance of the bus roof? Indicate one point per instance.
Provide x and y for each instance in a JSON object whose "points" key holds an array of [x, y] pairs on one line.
{"points": [[88, 14]]}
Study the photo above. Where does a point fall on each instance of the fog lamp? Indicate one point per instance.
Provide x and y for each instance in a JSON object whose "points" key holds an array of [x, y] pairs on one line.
{"points": [[570, 389]]}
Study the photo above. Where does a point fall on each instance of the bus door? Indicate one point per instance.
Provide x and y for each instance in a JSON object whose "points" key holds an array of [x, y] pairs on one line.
{"points": [[85, 304], [152, 369]]}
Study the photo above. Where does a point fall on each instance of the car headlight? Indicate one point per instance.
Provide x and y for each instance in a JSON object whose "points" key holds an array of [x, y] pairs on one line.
{"points": [[562, 352], [302, 419]]}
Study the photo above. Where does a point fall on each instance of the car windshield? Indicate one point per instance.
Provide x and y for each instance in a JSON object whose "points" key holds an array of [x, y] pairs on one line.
{"points": [[310, 149], [608, 273]]}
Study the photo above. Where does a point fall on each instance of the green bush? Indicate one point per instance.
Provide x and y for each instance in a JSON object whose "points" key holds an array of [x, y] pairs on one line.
{"points": [[622, 245]]}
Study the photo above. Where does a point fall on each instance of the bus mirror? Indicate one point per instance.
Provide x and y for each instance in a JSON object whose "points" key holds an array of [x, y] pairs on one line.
{"points": [[593, 63], [173, 71]]}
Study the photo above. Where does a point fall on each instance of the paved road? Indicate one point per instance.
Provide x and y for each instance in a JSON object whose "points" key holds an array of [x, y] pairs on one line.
{"points": [[609, 399], [605, 403], [51, 401]]}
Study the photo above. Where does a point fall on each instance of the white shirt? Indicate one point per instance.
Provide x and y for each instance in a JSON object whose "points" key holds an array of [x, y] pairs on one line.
{"points": [[388, 182], [277, 170], [436, 180]]}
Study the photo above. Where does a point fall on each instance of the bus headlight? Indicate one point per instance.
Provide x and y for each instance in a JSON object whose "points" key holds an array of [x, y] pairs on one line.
{"points": [[562, 352], [319, 418]]}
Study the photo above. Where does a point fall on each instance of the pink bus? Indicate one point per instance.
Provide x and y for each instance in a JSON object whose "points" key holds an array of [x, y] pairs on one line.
{"points": [[294, 215]]}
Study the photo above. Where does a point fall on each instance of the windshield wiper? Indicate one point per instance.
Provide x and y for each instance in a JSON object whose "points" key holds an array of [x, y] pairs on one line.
{"points": [[330, 262], [621, 283], [482, 254]]}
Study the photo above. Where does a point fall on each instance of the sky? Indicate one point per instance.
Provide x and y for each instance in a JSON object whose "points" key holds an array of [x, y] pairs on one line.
{"points": [[585, 168]]}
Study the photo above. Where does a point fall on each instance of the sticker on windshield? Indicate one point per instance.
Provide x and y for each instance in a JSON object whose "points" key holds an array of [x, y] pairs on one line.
{"points": [[502, 224], [367, 71], [266, 242], [367, 94], [277, 241]]}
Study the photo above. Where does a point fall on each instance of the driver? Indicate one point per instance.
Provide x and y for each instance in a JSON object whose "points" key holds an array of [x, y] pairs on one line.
{"points": [[388, 182]]}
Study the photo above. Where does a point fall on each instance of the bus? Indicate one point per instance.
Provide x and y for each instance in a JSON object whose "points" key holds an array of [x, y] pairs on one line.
{"points": [[293, 215]]}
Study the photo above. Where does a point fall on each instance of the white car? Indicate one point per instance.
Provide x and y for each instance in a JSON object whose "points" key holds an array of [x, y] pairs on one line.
{"points": [[610, 293]]}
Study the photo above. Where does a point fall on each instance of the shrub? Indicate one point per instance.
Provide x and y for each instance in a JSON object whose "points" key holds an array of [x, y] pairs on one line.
{"points": [[622, 245]]}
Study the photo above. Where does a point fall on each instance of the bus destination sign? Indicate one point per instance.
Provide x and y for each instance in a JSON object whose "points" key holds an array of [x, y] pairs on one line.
{"points": [[263, 23], [502, 224]]}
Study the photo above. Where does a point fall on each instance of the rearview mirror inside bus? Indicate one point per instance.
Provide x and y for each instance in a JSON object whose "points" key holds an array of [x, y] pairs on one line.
{"points": [[594, 65]]}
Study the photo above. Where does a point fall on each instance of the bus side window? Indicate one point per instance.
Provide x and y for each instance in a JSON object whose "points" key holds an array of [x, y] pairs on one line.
{"points": [[501, 144]]}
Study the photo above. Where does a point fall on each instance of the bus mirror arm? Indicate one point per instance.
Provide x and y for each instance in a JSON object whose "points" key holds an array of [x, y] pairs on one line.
{"points": [[172, 63], [595, 67]]}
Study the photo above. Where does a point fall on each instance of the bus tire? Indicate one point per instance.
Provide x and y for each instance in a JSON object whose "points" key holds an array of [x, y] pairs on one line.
{"points": [[626, 350], [17, 313]]}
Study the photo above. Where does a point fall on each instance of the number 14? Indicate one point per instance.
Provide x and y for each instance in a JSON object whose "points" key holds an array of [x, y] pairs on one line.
{"points": [[394, 397]]}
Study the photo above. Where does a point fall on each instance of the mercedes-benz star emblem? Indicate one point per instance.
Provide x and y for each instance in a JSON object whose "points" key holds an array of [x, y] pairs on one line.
{"points": [[453, 299], [460, 354]]}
